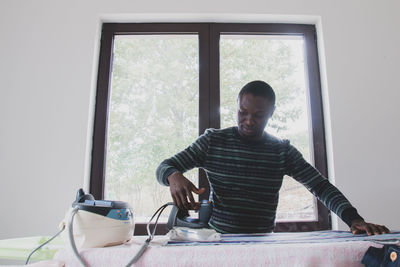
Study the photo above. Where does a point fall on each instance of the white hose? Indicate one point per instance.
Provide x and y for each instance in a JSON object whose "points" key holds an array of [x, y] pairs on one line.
{"points": [[71, 236]]}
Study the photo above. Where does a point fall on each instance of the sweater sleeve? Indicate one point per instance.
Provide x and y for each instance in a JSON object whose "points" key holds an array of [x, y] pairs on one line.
{"points": [[298, 168], [191, 157]]}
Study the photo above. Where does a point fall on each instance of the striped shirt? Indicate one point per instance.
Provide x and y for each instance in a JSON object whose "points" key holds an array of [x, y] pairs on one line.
{"points": [[245, 178]]}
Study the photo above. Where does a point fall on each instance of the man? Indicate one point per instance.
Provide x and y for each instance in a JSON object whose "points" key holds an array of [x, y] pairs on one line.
{"points": [[245, 167]]}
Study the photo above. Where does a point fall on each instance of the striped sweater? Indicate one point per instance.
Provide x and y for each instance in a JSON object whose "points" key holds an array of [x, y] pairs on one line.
{"points": [[245, 178]]}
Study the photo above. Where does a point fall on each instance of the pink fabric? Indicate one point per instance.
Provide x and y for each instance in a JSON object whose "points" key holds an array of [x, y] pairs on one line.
{"points": [[338, 254]]}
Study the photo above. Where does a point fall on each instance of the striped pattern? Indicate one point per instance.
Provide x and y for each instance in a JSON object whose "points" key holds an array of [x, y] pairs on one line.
{"points": [[245, 178], [294, 238]]}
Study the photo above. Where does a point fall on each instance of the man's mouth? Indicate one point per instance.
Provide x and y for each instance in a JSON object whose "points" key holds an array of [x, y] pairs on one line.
{"points": [[248, 130]]}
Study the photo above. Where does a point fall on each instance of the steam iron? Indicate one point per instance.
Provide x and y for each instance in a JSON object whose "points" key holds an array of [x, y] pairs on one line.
{"points": [[181, 218]]}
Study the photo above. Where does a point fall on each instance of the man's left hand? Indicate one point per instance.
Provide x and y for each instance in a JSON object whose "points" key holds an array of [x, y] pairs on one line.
{"points": [[360, 227]]}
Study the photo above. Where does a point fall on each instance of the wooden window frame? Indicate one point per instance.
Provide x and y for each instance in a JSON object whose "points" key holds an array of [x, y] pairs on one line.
{"points": [[209, 96]]}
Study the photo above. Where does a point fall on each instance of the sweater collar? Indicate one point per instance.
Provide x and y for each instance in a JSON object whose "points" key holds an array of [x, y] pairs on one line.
{"points": [[250, 142]]}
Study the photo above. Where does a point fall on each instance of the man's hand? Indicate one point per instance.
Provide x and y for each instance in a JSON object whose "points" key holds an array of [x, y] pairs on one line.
{"points": [[181, 190], [360, 226]]}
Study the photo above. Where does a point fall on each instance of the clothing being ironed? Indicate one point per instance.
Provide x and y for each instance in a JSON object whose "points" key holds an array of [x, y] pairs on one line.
{"points": [[245, 178]]}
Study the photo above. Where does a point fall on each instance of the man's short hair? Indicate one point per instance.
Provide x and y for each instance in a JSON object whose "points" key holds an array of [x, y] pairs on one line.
{"points": [[258, 88]]}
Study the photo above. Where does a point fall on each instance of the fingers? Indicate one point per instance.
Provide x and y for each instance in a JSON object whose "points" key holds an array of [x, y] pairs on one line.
{"points": [[181, 191], [191, 199], [375, 229], [195, 205], [380, 229], [198, 191], [178, 186], [364, 229], [181, 197], [370, 229], [184, 201], [385, 229], [177, 201], [192, 204]]}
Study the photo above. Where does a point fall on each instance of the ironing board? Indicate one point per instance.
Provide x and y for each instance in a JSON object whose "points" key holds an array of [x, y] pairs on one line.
{"points": [[18, 249], [320, 248]]}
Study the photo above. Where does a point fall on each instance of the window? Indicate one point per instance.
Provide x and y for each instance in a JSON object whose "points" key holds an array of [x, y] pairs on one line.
{"points": [[161, 85], [153, 113]]}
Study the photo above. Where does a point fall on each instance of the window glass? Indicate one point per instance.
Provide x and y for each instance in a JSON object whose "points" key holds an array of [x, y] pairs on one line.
{"points": [[278, 60], [153, 114]]}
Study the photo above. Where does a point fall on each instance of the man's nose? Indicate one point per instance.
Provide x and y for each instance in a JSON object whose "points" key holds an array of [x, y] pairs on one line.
{"points": [[249, 120]]}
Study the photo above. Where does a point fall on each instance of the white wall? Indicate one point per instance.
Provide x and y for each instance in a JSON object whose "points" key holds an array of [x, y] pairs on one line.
{"points": [[48, 57]]}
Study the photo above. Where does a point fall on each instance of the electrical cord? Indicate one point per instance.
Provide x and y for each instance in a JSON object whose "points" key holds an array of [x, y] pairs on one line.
{"points": [[151, 235], [45, 243], [71, 236], [160, 210]]}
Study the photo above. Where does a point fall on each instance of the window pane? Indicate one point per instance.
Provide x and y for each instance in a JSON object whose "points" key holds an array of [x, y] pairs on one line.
{"points": [[153, 115], [278, 60]]}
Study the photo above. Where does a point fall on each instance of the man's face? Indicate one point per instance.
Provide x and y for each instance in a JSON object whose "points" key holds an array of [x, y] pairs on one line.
{"points": [[252, 115]]}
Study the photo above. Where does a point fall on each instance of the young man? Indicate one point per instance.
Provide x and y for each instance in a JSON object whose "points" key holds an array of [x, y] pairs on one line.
{"points": [[245, 167]]}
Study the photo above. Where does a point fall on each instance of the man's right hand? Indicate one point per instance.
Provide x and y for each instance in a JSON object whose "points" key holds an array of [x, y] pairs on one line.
{"points": [[181, 190]]}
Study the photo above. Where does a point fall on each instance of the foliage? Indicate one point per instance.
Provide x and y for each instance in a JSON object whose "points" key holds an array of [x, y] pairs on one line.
{"points": [[154, 104]]}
